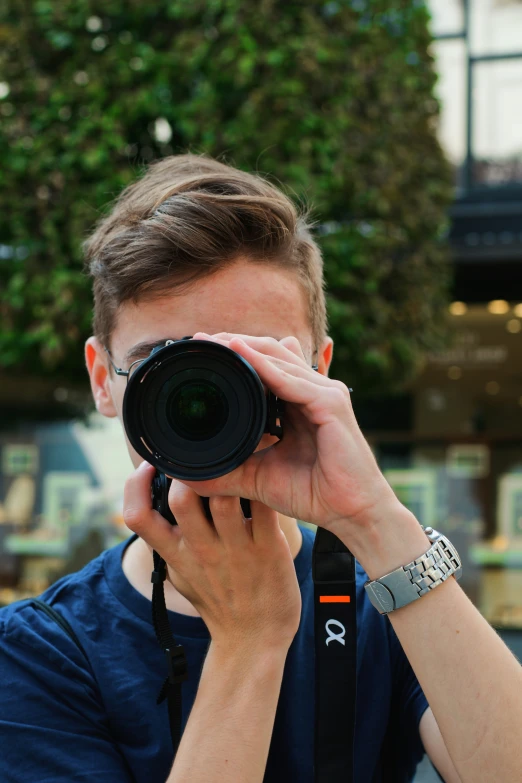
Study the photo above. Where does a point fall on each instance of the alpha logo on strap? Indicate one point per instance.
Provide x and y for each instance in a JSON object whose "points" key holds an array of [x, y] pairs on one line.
{"points": [[335, 637]]}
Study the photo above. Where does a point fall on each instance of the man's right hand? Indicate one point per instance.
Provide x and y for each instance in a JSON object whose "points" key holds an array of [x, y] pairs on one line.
{"points": [[239, 574]]}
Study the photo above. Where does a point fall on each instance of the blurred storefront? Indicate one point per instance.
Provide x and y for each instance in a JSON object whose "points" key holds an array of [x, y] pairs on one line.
{"points": [[452, 450], [452, 447], [61, 487]]}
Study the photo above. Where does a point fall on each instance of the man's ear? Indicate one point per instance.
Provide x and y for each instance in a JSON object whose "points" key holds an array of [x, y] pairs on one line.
{"points": [[324, 358], [97, 367]]}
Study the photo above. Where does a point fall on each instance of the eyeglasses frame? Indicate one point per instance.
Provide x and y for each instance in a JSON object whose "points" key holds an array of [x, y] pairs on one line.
{"points": [[120, 370], [126, 373]]}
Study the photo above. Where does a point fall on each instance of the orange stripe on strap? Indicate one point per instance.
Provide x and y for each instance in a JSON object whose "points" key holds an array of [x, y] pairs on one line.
{"points": [[334, 599]]}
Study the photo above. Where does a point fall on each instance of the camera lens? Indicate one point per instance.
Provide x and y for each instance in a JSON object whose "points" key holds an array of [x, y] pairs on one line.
{"points": [[197, 410]]}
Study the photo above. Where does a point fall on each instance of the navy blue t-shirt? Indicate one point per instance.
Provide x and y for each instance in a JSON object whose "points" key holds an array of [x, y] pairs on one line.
{"points": [[65, 719]]}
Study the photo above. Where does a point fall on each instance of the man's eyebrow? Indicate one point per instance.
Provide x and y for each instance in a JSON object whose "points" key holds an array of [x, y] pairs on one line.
{"points": [[142, 350]]}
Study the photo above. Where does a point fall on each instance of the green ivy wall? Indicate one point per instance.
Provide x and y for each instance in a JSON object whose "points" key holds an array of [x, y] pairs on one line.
{"points": [[333, 100]]}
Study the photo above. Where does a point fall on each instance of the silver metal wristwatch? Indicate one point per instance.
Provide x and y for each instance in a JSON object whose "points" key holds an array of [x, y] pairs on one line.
{"points": [[407, 583]]}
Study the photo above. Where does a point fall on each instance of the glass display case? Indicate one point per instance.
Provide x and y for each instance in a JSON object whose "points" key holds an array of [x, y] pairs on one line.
{"points": [[61, 491], [458, 467]]}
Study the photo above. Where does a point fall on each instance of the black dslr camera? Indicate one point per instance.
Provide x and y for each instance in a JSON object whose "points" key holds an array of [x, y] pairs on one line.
{"points": [[196, 410]]}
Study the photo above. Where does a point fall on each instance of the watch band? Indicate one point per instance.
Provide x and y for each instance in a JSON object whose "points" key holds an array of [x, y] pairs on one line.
{"points": [[407, 583]]}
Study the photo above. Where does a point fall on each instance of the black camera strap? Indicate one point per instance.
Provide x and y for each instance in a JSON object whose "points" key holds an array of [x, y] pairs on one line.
{"points": [[333, 571], [174, 652]]}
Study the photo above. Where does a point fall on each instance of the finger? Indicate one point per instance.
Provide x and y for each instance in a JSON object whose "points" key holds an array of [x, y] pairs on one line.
{"points": [[265, 524], [288, 381], [229, 521], [187, 508], [278, 352], [288, 348], [293, 345], [141, 518]]}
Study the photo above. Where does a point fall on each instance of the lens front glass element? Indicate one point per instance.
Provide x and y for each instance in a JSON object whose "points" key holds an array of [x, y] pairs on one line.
{"points": [[197, 410]]}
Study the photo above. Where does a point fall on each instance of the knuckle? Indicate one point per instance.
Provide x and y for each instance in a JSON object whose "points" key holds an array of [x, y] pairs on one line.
{"points": [[293, 344], [268, 343], [343, 389], [222, 505], [181, 499], [278, 362], [340, 395], [133, 518]]}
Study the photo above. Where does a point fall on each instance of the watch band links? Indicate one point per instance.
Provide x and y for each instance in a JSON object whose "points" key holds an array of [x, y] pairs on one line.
{"points": [[439, 563], [407, 583]]}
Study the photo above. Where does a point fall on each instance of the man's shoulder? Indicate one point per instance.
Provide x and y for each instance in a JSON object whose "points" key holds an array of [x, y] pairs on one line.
{"points": [[78, 596]]}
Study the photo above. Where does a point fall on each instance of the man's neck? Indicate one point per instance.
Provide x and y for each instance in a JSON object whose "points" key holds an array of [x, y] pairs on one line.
{"points": [[137, 567]]}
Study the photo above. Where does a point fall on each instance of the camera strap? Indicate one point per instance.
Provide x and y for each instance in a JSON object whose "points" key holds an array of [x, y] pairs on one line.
{"points": [[174, 652], [335, 626], [335, 621]]}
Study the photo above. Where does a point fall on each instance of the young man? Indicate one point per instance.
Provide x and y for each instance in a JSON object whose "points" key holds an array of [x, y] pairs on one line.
{"points": [[198, 248]]}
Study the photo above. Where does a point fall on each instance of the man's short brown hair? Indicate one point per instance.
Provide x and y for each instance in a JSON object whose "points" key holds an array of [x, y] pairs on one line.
{"points": [[187, 217]]}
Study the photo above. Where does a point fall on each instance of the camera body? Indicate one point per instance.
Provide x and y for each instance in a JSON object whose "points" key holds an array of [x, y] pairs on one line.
{"points": [[196, 410]]}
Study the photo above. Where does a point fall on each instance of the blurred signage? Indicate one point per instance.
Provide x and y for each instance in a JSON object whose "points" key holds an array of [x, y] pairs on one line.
{"points": [[416, 489], [468, 351], [19, 458], [467, 460]]}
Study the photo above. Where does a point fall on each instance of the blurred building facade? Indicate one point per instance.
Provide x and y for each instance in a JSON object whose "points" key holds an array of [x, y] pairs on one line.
{"points": [[451, 447], [61, 497]]}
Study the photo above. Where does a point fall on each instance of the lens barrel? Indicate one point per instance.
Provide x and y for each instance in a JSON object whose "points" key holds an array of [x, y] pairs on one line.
{"points": [[195, 409]]}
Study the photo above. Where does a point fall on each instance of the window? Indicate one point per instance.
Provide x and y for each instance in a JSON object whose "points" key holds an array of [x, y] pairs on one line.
{"points": [[478, 57], [468, 461], [19, 458], [416, 489], [497, 121], [451, 63], [494, 26], [63, 499], [510, 507], [447, 17]]}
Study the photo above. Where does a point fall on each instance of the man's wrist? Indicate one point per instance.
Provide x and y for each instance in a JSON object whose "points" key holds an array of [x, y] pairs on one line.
{"points": [[264, 659], [388, 539]]}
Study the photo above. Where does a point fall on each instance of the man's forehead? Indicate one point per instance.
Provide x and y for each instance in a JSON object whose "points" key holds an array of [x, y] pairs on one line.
{"points": [[243, 299]]}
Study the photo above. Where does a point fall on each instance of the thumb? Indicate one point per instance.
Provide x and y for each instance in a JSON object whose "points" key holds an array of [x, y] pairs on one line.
{"points": [[142, 519]]}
